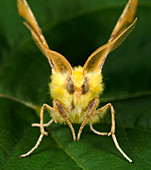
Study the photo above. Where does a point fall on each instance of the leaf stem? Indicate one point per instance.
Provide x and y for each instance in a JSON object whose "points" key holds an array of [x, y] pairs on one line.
{"points": [[126, 97], [30, 105]]}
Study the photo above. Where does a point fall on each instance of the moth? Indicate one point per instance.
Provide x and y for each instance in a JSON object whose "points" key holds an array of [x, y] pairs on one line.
{"points": [[75, 91]]}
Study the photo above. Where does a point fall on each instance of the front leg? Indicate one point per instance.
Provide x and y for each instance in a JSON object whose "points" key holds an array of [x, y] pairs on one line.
{"points": [[112, 132], [60, 108], [45, 106], [91, 108], [101, 111]]}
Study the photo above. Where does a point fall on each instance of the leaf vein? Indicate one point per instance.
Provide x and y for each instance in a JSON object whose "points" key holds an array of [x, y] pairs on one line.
{"points": [[60, 145]]}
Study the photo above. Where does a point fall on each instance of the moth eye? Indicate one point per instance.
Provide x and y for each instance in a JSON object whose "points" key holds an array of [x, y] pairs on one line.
{"points": [[70, 86], [85, 86]]}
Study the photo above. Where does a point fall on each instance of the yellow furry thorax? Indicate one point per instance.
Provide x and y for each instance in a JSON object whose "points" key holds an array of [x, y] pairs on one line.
{"points": [[58, 91]]}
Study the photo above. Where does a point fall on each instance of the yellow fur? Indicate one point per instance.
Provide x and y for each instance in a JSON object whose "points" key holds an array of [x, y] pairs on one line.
{"points": [[58, 91]]}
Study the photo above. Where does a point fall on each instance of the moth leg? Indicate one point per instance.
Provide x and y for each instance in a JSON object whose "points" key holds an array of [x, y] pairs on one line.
{"points": [[35, 147], [41, 129], [45, 125], [101, 111], [91, 108], [60, 108], [97, 132], [112, 132]]}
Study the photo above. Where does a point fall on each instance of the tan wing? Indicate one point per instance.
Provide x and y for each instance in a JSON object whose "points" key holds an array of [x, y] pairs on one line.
{"points": [[57, 61], [120, 32]]}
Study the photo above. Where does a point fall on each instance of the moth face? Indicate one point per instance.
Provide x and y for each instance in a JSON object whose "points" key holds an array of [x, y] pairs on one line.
{"points": [[77, 84], [72, 88]]}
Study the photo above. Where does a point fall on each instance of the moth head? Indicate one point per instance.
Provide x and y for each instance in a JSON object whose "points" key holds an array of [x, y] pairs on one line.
{"points": [[77, 84]]}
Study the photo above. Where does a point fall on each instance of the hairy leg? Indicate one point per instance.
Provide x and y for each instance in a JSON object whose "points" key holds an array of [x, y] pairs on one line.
{"points": [[91, 108], [41, 129], [112, 132], [60, 108]]}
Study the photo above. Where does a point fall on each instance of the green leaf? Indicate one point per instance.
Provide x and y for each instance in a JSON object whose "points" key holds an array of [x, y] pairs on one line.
{"points": [[75, 29]]}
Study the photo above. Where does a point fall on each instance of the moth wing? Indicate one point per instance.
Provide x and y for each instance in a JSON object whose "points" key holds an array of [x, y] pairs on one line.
{"points": [[125, 19], [57, 61], [120, 32], [97, 58]]}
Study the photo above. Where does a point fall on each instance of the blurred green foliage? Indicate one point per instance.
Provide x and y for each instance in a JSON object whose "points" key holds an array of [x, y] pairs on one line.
{"points": [[75, 29]]}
